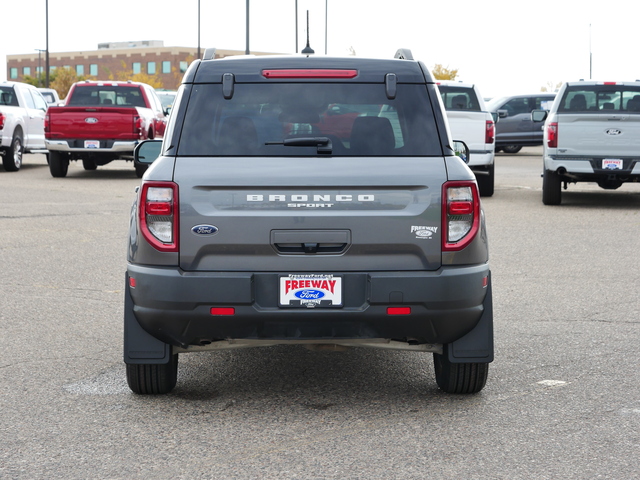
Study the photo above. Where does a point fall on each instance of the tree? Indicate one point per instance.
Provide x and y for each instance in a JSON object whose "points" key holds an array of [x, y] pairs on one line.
{"points": [[551, 86], [60, 79], [444, 73], [127, 74], [64, 78]]}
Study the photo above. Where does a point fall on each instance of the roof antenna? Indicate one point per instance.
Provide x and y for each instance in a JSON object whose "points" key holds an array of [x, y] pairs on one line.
{"points": [[307, 50]]}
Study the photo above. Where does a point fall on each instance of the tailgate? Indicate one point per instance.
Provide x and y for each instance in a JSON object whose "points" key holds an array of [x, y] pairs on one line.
{"points": [[599, 135], [310, 214], [92, 122], [470, 127]]}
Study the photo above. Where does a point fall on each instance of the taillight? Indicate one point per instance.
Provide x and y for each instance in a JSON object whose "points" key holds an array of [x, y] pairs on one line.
{"points": [[552, 135], [460, 214], [137, 126], [490, 132], [158, 215], [1, 121], [47, 124]]}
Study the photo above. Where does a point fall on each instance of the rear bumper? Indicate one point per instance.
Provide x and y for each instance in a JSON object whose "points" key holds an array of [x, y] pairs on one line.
{"points": [[106, 146], [480, 158], [590, 168], [174, 306]]}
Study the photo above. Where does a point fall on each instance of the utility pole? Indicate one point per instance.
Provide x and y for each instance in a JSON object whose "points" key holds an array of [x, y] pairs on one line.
{"points": [[246, 51], [198, 29], [46, 56], [590, 56]]}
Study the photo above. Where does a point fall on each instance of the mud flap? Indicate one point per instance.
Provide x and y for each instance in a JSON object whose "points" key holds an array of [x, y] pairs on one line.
{"points": [[477, 345], [140, 347]]}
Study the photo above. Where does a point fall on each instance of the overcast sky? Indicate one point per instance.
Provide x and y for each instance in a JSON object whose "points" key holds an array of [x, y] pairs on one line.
{"points": [[503, 46]]}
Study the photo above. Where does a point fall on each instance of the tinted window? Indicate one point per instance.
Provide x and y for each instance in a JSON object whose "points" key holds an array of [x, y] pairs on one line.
{"points": [[8, 97], [601, 99], [459, 98], [517, 106], [266, 120], [107, 95]]}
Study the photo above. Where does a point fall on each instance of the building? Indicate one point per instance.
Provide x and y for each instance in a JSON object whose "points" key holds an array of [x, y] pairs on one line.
{"points": [[148, 56]]}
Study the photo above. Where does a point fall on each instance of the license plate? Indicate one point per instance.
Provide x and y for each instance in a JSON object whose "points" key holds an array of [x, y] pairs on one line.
{"points": [[612, 164], [311, 290], [92, 144]]}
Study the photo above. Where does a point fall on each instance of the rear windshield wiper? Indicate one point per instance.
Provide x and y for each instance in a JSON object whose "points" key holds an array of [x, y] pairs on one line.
{"points": [[323, 143]]}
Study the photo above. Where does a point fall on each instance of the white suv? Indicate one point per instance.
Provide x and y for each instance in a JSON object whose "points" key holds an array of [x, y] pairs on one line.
{"points": [[591, 134]]}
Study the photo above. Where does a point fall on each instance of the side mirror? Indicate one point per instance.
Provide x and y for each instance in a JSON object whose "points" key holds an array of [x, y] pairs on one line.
{"points": [[147, 152], [495, 117], [461, 150], [503, 113], [539, 115]]}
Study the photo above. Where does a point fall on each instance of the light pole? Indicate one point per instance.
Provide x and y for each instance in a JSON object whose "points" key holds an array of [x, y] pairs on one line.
{"points": [[39, 71], [46, 56], [326, 17], [198, 29], [246, 51]]}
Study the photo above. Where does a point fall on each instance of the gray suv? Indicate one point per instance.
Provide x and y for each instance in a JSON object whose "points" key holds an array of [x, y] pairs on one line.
{"points": [[303, 200], [514, 126]]}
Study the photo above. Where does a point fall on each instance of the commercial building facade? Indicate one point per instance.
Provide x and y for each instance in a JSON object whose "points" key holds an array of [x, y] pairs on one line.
{"points": [[149, 56]]}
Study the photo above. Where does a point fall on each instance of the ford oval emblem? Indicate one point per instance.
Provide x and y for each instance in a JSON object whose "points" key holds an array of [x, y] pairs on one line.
{"points": [[309, 294], [613, 131], [91, 120], [204, 230]]}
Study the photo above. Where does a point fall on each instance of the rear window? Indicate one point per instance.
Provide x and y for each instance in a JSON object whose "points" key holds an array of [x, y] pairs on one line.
{"points": [[459, 98], [106, 95], [601, 99], [8, 97], [279, 119]]}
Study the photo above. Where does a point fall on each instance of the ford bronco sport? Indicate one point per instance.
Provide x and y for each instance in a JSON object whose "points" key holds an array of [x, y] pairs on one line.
{"points": [[307, 200]]}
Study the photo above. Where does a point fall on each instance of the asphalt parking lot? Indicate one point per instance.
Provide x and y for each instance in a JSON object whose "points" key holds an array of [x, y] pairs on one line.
{"points": [[562, 399]]}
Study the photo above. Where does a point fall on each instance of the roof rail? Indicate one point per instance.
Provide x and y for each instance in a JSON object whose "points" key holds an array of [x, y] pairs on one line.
{"points": [[209, 54], [404, 54]]}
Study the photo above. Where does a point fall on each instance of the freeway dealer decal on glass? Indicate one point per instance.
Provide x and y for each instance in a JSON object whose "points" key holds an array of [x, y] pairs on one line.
{"points": [[313, 290]]}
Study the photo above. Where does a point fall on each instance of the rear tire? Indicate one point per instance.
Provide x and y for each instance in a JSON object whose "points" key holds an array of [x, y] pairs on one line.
{"points": [[151, 378], [486, 182], [459, 377], [511, 148], [58, 164], [551, 188], [12, 160]]}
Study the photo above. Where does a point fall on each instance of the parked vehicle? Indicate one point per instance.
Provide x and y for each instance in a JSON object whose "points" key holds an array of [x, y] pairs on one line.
{"points": [[51, 96], [470, 122], [591, 134], [254, 228], [514, 127], [167, 97], [101, 122], [22, 111]]}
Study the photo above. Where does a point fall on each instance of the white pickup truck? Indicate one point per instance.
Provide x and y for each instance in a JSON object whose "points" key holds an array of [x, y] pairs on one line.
{"points": [[470, 122], [591, 134], [22, 112]]}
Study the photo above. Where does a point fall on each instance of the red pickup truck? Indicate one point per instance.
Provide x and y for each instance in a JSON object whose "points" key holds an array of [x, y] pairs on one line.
{"points": [[101, 122]]}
